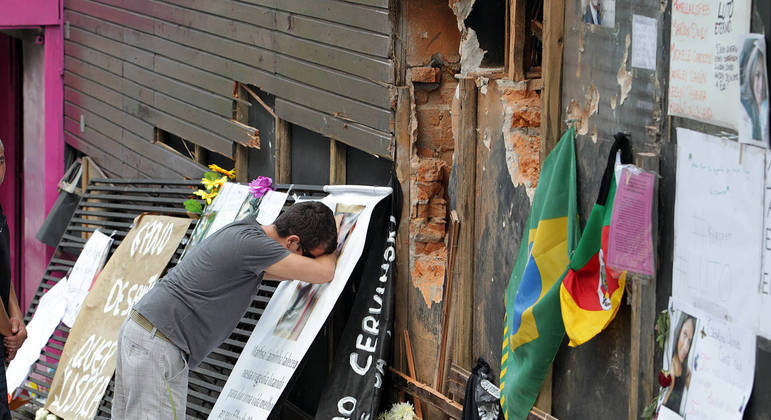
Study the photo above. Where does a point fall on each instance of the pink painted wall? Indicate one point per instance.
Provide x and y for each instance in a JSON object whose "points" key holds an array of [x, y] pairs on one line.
{"points": [[43, 144], [30, 13]]}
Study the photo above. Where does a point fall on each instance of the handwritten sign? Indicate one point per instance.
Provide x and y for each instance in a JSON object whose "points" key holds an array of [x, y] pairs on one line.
{"points": [[718, 208], [764, 314], [644, 42], [293, 318], [717, 369], [630, 240], [704, 59], [88, 359], [84, 272]]}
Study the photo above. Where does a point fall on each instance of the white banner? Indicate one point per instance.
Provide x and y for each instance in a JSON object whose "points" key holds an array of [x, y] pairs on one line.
{"points": [[295, 314]]}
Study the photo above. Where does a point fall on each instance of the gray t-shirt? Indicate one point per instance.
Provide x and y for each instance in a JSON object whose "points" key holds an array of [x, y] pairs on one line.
{"points": [[200, 301]]}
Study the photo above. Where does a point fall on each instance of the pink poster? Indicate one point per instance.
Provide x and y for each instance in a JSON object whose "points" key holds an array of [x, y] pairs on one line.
{"points": [[630, 240]]}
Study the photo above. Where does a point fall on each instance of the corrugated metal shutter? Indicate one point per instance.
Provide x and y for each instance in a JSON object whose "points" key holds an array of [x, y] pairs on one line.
{"points": [[133, 65]]}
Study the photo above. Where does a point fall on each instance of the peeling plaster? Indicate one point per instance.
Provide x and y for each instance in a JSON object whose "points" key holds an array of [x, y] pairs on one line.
{"points": [[486, 138], [520, 136], [471, 54], [580, 51], [581, 114], [481, 83], [613, 102], [428, 277], [624, 76]]}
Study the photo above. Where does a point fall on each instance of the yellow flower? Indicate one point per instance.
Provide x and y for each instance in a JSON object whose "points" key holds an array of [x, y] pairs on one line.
{"points": [[230, 174], [214, 185], [206, 195]]}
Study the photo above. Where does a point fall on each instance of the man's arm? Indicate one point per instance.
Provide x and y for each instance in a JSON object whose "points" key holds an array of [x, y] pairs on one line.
{"points": [[310, 270], [18, 331]]}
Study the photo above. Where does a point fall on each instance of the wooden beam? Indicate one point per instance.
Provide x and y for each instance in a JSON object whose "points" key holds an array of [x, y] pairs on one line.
{"points": [[517, 35], [544, 400], [283, 152], [643, 294], [241, 152], [403, 154], [337, 162], [551, 95], [411, 366], [426, 393], [465, 149], [444, 356]]}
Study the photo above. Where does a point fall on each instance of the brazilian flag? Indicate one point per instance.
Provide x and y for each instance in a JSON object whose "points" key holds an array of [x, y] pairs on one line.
{"points": [[533, 327], [591, 292]]}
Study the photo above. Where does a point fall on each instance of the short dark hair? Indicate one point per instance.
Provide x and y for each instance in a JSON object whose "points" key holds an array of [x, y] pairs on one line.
{"points": [[313, 222]]}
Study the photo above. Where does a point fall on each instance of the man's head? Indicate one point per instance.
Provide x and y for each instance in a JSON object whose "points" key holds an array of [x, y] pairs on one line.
{"points": [[308, 228]]}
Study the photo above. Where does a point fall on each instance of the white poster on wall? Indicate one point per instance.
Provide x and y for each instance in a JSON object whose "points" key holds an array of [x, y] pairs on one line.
{"points": [[704, 59], [295, 314], [764, 314], [718, 208]]}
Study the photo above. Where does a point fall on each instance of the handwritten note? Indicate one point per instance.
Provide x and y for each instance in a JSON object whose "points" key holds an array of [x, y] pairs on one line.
{"points": [[83, 273], [630, 240], [713, 361], [644, 42], [764, 314], [271, 206], [704, 60], [718, 208]]}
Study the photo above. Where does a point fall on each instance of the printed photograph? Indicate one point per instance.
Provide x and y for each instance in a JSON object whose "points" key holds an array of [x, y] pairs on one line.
{"points": [[346, 216], [753, 88], [679, 361], [599, 12], [301, 305]]}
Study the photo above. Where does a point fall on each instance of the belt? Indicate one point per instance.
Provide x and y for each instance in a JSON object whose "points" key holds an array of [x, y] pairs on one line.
{"points": [[147, 325]]}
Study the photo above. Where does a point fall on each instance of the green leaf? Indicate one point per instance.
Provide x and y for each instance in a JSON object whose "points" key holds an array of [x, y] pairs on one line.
{"points": [[212, 176], [193, 206]]}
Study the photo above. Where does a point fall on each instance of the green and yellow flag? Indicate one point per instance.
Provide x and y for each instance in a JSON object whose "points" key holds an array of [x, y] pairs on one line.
{"points": [[533, 327]]}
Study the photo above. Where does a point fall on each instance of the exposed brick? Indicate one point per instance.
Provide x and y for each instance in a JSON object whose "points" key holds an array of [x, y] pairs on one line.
{"points": [[430, 170], [428, 190], [435, 248], [529, 117], [437, 207], [421, 97], [427, 230], [428, 276], [425, 74]]}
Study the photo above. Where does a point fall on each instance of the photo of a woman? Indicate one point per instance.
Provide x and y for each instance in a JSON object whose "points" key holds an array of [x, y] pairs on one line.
{"points": [[679, 370], [753, 81]]}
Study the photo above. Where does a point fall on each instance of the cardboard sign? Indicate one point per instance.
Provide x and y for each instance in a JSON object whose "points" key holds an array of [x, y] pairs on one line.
{"points": [[88, 359]]}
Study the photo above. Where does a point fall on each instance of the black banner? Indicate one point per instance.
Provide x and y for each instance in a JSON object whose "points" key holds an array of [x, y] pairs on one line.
{"points": [[355, 386]]}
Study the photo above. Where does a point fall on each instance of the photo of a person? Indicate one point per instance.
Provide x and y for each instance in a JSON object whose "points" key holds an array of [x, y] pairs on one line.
{"points": [[303, 300], [753, 87], [680, 346], [598, 12], [346, 216]]}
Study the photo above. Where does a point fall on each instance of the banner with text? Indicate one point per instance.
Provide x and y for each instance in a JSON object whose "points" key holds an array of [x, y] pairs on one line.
{"points": [[362, 355], [704, 59], [295, 314], [88, 360]]}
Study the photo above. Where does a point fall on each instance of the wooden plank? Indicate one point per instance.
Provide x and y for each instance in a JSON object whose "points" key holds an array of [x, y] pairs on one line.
{"points": [[444, 355], [115, 148], [241, 153], [465, 166], [283, 151], [403, 154], [345, 37], [106, 45], [378, 69], [93, 121], [192, 95], [411, 366], [192, 75], [551, 62], [105, 95], [177, 126], [377, 3], [544, 399], [377, 94], [337, 162], [517, 39], [259, 15], [426, 393], [360, 16], [116, 115], [171, 158], [93, 56], [642, 335], [360, 137], [102, 158]]}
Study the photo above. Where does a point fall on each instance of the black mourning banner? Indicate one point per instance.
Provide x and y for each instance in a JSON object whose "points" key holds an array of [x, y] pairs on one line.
{"points": [[355, 387]]}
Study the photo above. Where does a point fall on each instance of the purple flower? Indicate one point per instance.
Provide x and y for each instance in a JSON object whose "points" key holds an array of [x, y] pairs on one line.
{"points": [[258, 187]]}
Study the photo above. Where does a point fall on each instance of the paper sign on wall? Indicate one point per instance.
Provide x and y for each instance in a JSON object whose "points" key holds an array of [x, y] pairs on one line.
{"points": [[704, 64], [717, 244], [85, 270], [88, 360]]}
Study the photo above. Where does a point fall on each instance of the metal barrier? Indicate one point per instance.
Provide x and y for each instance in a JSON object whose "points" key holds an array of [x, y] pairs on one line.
{"points": [[111, 205]]}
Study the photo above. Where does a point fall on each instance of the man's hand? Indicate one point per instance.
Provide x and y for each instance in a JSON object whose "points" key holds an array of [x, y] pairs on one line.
{"points": [[14, 342]]}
